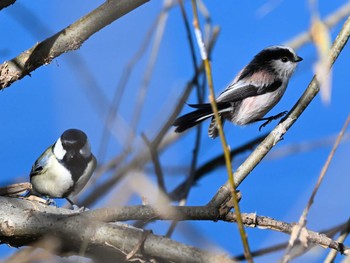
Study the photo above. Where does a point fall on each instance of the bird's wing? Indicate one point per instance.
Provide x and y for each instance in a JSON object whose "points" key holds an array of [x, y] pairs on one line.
{"points": [[242, 89], [41, 162]]}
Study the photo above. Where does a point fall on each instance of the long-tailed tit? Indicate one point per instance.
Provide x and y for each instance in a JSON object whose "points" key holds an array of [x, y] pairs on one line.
{"points": [[255, 91]]}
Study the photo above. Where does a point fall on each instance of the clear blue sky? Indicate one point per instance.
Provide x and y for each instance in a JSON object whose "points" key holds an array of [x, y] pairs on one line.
{"points": [[37, 109]]}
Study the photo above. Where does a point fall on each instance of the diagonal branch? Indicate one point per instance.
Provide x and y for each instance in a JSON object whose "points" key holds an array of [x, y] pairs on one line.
{"points": [[303, 218], [277, 133], [160, 141], [68, 39]]}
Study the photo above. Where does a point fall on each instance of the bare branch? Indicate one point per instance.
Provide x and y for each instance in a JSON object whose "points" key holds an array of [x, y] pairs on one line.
{"points": [[302, 221], [24, 222], [208, 213], [160, 141], [6, 3], [212, 164], [156, 162], [68, 39], [277, 133], [344, 234]]}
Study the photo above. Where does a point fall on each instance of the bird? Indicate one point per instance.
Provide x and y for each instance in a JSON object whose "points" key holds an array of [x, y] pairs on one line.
{"points": [[256, 89], [64, 168]]}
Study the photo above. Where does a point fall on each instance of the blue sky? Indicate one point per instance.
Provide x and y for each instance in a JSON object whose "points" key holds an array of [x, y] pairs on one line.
{"points": [[37, 109]]}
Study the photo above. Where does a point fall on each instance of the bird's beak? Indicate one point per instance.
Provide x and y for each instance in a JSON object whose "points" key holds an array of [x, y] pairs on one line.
{"points": [[298, 59]]}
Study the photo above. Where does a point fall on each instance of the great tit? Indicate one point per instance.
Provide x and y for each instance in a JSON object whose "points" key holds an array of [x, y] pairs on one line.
{"points": [[64, 168]]}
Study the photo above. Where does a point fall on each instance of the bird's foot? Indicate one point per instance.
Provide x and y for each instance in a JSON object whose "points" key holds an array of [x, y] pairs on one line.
{"points": [[271, 118], [50, 201], [78, 209]]}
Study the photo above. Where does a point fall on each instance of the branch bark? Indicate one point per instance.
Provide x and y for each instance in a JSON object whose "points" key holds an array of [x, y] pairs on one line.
{"points": [[68, 39], [23, 222]]}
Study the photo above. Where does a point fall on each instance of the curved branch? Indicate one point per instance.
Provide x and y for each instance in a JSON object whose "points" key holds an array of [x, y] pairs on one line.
{"points": [[68, 39]]}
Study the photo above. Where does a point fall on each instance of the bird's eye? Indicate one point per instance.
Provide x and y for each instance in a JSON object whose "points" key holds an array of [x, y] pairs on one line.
{"points": [[284, 59]]}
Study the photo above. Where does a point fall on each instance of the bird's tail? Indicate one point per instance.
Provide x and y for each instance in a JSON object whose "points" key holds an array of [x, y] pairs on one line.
{"points": [[203, 112], [193, 118]]}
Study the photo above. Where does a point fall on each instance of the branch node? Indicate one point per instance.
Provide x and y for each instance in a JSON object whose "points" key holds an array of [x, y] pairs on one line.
{"points": [[139, 245], [227, 205]]}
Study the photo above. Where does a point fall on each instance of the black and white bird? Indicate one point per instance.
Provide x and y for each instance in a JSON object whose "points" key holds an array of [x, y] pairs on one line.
{"points": [[256, 89], [64, 168]]}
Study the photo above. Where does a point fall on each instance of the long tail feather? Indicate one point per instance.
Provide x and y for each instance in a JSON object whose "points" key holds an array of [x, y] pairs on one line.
{"points": [[195, 117], [192, 119]]}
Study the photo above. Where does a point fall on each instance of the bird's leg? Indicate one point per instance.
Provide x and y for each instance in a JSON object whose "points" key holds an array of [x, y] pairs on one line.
{"points": [[50, 201], [70, 201], [75, 207], [271, 118]]}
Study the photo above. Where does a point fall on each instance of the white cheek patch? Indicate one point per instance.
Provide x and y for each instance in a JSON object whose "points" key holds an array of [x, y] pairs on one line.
{"points": [[85, 151], [284, 69], [58, 150]]}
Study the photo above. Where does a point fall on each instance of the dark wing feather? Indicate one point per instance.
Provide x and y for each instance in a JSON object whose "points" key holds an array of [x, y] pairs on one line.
{"points": [[40, 163], [240, 90]]}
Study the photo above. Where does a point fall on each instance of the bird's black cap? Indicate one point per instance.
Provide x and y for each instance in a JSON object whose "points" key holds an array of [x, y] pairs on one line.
{"points": [[73, 138]]}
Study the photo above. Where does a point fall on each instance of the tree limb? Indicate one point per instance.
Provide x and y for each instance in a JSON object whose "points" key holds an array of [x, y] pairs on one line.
{"points": [[23, 222], [6, 3], [277, 133], [68, 39]]}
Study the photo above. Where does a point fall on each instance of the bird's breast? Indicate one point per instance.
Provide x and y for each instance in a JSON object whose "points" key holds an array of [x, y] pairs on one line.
{"points": [[54, 180], [255, 108]]}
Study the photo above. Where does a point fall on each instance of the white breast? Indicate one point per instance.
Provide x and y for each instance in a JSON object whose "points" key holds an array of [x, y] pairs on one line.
{"points": [[55, 179]]}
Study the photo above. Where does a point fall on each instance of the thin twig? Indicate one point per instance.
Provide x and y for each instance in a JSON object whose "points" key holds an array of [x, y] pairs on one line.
{"points": [[119, 91], [160, 141], [330, 232], [305, 146], [302, 220], [277, 133], [149, 67], [213, 164], [157, 166], [200, 93], [343, 235], [208, 72]]}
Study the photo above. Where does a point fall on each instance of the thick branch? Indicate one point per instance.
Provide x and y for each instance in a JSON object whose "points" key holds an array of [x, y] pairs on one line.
{"points": [[70, 38], [23, 222], [207, 213]]}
